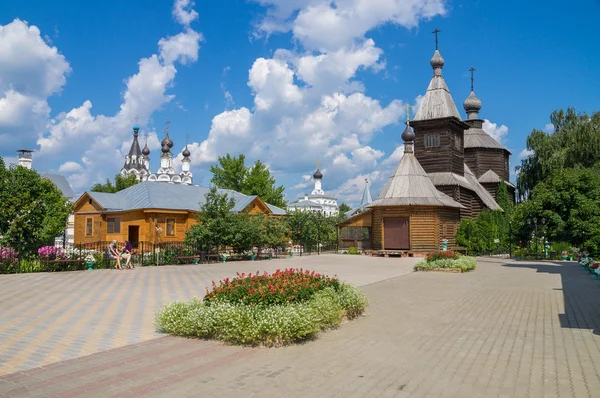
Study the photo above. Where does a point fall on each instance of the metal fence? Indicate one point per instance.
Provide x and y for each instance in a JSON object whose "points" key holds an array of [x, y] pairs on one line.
{"points": [[77, 257]]}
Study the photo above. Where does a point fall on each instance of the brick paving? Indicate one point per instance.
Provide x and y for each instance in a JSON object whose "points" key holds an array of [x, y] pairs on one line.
{"points": [[509, 329], [50, 317]]}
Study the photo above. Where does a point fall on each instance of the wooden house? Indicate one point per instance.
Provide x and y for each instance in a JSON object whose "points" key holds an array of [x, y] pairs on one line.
{"points": [[152, 212]]}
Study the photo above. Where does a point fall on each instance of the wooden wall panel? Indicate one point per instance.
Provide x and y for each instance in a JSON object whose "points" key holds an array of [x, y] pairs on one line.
{"points": [[361, 220]]}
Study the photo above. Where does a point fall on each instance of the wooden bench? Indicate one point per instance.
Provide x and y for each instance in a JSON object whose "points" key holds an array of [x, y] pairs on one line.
{"points": [[196, 257]]}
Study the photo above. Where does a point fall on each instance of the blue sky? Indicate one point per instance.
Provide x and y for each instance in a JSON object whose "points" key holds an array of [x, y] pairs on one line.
{"points": [[252, 77]]}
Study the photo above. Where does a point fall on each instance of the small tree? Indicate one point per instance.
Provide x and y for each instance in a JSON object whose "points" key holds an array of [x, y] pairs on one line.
{"points": [[33, 211], [344, 208], [217, 222], [120, 184]]}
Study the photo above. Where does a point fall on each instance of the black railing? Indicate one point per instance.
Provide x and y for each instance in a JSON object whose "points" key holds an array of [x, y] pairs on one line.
{"points": [[79, 257]]}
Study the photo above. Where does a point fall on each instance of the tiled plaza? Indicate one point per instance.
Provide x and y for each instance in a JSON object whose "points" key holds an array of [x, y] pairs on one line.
{"points": [[519, 329]]}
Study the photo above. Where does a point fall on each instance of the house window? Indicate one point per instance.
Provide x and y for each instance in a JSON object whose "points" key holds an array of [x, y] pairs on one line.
{"points": [[113, 225], [170, 227], [88, 226], [432, 140]]}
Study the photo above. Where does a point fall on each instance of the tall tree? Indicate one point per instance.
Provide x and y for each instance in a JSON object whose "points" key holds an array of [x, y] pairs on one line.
{"points": [[574, 142], [120, 184], [260, 182], [232, 173], [33, 211]]}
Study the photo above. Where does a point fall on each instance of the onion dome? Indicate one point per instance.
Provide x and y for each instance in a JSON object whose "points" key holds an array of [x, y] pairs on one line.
{"points": [[136, 128], [318, 175], [186, 152], [146, 150], [436, 61], [408, 135], [167, 141], [472, 103], [165, 148]]}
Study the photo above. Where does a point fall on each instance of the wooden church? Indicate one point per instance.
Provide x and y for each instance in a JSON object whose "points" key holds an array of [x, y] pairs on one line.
{"points": [[451, 169]]}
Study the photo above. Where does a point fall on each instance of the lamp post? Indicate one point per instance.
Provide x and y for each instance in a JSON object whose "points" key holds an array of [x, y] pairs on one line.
{"points": [[535, 225]]}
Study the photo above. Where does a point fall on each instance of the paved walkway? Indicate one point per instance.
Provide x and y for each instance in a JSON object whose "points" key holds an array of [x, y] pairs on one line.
{"points": [[49, 317], [505, 330]]}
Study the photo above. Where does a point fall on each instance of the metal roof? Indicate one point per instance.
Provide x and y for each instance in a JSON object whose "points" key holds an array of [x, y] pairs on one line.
{"points": [[61, 183], [410, 185], [163, 195], [305, 203]]}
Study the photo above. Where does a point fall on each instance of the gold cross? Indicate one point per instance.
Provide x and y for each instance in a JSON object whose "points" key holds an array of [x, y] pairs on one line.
{"points": [[407, 106]]}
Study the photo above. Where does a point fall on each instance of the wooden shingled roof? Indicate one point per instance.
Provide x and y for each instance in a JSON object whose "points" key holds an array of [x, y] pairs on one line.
{"points": [[410, 185]]}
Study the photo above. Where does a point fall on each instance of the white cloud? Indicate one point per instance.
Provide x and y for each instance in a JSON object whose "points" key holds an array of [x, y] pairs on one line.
{"points": [[329, 25], [70, 167], [102, 140], [183, 12], [525, 153], [30, 72], [308, 103], [498, 133], [549, 128]]}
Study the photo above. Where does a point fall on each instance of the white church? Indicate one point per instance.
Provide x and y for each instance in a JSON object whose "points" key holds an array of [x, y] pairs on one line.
{"points": [[137, 162], [317, 201]]}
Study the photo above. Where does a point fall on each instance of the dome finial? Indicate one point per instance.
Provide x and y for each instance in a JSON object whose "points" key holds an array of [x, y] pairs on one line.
{"points": [[408, 135], [186, 152], [136, 126], [472, 104], [146, 150], [318, 175], [437, 62]]}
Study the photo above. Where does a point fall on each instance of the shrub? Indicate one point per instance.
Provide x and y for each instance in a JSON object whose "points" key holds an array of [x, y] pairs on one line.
{"points": [[463, 263], [51, 253], [277, 323], [290, 285], [353, 250], [443, 255]]}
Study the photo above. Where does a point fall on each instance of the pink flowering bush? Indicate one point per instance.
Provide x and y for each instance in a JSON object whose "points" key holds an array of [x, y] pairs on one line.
{"points": [[51, 253], [8, 257]]}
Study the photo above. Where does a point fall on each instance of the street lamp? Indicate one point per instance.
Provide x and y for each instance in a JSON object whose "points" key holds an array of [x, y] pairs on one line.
{"points": [[535, 225]]}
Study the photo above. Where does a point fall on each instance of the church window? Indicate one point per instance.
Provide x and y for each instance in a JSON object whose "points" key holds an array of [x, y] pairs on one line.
{"points": [[458, 142], [432, 140], [113, 225], [88, 226], [170, 227]]}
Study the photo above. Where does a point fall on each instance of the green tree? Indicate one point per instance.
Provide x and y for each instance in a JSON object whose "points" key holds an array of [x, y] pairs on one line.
{"points": [[575, 142], [231, 173], [344, 208], [569, 202], [33, 210], [120, 184], [217, 223]]}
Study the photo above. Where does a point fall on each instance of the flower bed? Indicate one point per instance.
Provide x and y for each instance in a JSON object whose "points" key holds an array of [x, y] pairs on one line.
{"points": [[446, 261], [265, 309]]}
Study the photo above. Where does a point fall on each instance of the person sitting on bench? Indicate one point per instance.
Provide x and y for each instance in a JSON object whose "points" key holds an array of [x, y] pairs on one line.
{"points": [[114, 254], [126, 253]]}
